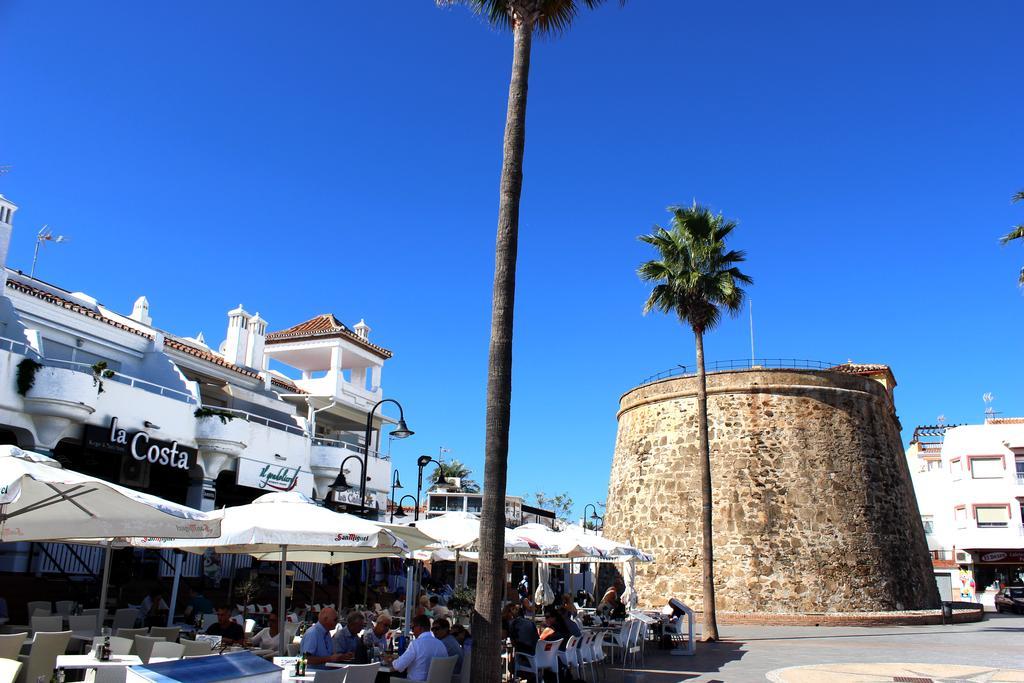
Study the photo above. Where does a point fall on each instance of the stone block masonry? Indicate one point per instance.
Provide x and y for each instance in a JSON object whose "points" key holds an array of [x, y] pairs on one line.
{"points": [[814, 510]]}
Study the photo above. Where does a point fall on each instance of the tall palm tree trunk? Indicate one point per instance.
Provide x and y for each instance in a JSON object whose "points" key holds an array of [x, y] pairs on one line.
{"points": [[487, 615], [710, 632]]}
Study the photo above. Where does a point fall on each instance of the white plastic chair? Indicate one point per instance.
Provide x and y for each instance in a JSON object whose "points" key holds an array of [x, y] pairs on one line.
{"points": [[595, 651], [360, 673], [570, 656], [47, 624], [42, 658], [10, 644], [120, 645], [130, 633], [9, 669], [167, 650], [620, 642], [82, 625], [441, 670], [64, 607], [250, 625], [125, 618], [209, 619], [544, 658], [330, 676], [144, 647], [194, 648], [168, 633], [34, 605]]}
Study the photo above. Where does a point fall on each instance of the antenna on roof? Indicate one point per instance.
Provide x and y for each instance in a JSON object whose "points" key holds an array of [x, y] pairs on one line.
{"points": [[990, 412], [44, 235], [941, 420], [5, 168]]}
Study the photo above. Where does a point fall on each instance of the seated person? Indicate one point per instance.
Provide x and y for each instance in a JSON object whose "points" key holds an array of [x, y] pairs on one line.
{"points": [[398, 606], [230, 632], [442, 631], [377, 637], [555, 627], [464, 638], [153, 610], [317, 644], [348, 644], [270, 637], [415, 661], [197, 604], [523, 634], [436, 608], [508, 614]]}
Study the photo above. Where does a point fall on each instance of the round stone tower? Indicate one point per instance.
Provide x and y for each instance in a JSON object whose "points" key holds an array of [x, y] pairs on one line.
{"points": [[814, 510]]}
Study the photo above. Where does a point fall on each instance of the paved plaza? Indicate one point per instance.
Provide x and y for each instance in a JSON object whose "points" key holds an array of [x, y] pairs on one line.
{"points": [[991, 650]]}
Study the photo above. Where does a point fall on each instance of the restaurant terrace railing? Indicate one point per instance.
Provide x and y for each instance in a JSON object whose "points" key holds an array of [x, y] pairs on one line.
{"points": [[743, 364], [261, 420], [121, 378], [355, 448]]}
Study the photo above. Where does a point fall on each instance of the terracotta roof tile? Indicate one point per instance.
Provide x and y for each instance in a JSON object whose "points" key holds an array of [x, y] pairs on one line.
{"points": [[170, 341], [207, 355], [287, 384], [861, 368], [73, 306], [324, 326]]}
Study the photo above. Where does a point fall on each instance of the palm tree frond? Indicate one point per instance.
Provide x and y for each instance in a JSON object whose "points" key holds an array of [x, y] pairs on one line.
{"points": [[1016, 234], [697, 277], [1019, 197]]}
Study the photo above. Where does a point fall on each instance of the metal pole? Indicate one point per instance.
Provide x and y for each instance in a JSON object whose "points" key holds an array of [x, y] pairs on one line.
{"points": [[281, 616], [174, 588], [341, 584], [103, 588], [408, 606]]}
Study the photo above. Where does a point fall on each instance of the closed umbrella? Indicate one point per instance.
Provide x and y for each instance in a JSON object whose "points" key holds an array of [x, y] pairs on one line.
{"points": [[629, 598], [543, 595]]}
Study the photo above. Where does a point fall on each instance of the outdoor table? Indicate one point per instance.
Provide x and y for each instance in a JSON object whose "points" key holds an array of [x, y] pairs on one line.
{"points": [[89, 662]]}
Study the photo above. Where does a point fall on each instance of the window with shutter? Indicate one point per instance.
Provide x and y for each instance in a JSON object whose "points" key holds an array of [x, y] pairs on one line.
{"points": [[987, 468], [992, 515]]}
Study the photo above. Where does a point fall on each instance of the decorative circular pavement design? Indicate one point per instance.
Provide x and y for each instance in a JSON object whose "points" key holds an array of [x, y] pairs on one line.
{"points": [[894, 673]]}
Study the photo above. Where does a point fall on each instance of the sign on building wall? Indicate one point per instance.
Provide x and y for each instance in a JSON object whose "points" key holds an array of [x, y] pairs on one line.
{"points": [[139, 445], [273, 476]]}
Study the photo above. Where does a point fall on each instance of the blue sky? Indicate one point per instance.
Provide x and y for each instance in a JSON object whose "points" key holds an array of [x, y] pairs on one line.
{"points": [[323, 156]]}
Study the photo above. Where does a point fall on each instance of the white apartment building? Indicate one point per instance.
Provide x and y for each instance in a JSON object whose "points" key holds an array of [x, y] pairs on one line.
{"points": [[119, 397], [969, 483]]}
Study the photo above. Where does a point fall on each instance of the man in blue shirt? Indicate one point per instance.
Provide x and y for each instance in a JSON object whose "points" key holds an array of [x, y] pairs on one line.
{"points": [[317, 644], [442, 631], [415, 661], [347, 642]]}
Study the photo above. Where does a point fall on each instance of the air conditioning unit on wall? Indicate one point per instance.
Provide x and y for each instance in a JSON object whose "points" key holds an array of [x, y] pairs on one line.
{"points": [[962, 557]]}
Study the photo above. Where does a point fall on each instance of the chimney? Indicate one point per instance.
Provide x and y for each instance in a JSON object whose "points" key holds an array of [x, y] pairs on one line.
{"points": [[140, 311], [254, 356], [7, 209], [237, 342], [363, 330]]}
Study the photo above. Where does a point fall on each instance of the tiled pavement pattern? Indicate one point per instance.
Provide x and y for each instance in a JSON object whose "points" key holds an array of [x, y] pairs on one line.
{"points": [[747, 654]]}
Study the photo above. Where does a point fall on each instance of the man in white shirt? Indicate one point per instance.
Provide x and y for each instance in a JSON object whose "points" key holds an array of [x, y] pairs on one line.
{"points": [[415, 661], [269, 637]]}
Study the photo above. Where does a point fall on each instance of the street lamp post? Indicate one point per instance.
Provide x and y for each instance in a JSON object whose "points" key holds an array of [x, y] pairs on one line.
{"points": [[594, 516], [401, 431], [401, 511], [422, 462], [395, 484]]}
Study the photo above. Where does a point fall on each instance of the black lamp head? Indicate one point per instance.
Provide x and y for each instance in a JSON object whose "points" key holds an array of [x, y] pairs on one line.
{"points": [[400, 512], [402, 431], [423, 460], [397, 483], [340, 484]]}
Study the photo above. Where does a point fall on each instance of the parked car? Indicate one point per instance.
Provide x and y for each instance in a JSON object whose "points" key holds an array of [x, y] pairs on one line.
{"points": [[1010, 599]]}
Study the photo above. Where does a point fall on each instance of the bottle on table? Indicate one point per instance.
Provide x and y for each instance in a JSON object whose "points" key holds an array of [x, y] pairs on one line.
{"points": [[105, 650]]}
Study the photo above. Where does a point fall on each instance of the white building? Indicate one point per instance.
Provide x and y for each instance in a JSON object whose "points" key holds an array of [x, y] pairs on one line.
{"points": [[119, 397], [969, 483]]}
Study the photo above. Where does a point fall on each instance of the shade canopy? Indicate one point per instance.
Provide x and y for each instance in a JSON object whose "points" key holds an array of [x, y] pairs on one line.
{"points": [[41, 501], [575, 543], [461, 531], [290, 519]]}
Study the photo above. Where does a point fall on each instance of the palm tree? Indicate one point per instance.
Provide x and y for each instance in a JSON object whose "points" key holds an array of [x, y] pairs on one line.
{"points": [[524, 18], [697, 279], [454, 470], [1016, 234]]}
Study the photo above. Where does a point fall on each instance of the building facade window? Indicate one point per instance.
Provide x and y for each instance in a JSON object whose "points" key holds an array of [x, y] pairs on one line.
{"points": [[928, 523], [1020, 470], [987, 467], [960, 515], [991, 516], [955, 469]]}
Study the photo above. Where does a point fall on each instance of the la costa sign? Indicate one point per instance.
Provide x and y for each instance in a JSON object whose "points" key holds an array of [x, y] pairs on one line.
{"points": [[139, 445]]}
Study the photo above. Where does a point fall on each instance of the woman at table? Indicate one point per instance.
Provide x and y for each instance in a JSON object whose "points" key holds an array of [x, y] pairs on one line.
{"points": [[508, 614], [270, 637], [555, 627]]}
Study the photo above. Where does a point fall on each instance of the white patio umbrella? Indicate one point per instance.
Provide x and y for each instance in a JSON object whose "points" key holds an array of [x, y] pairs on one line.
{"points": [[41, 501], [610, 549], [460, 531], [276, 524]]}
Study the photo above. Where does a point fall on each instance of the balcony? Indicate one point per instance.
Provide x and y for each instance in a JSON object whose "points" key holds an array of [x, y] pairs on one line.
{"points": [[58, 398]]}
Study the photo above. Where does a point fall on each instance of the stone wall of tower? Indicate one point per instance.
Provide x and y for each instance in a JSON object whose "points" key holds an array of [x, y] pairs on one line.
{"points": [[814, 510]]}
